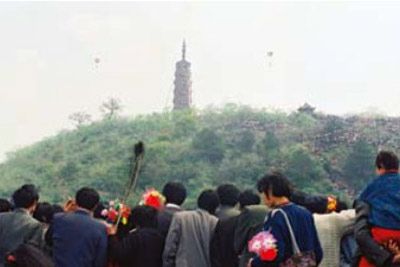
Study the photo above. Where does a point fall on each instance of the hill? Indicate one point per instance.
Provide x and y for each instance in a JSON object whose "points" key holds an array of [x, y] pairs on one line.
{"points": [[320, 153]]}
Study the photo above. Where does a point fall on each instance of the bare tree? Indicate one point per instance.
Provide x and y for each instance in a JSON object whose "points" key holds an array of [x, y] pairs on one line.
{"points": [[111, 108], [80, 118]]}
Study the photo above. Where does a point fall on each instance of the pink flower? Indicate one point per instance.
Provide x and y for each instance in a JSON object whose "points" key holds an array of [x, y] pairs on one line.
{"points": [[264, 245]]}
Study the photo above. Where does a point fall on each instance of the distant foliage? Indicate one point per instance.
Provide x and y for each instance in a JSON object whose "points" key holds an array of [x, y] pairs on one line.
{"points": [[319, 153]]}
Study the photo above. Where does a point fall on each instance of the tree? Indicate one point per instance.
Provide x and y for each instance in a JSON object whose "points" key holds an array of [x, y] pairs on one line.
{"points": [[302, 168], [269, 148], [209, 145], [111, 108], [358, 169], [246, 141], [80, 118]]}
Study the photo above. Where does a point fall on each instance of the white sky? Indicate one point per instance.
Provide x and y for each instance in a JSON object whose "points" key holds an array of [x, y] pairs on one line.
{"points": [[341, 57]]}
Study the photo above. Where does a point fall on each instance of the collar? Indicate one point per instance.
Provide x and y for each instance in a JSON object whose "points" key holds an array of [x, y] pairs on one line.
{"points": [[391, 171], [83, 211], [283, 205], [172, 205], [21, 210]]}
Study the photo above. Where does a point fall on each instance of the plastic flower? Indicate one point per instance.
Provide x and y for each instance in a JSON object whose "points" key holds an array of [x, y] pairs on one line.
{"points": [[113, 211], [331, 204], [264, 245], [153, 198]]}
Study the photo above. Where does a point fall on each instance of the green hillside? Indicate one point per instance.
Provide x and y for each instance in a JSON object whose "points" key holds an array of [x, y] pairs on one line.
{"points": [[320, 153]]}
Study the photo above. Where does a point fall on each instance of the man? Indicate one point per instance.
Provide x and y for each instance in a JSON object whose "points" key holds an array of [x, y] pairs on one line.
{"points": [[222, 249], [77, 238], [249, 223], [228, 197], [189, 236], [142, 247], [276, 191], [19, 226], [378, 213], [367, 246], [175, 195], [5, 205]]}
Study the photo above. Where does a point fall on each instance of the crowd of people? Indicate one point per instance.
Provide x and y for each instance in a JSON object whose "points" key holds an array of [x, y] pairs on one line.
{"points": [[278, 226]]}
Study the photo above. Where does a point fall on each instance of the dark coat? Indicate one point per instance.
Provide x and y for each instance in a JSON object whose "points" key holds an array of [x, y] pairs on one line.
{"points": [[78, 240], [368, 247], [141, 248], [16, 228], [250, 222], [165, 218], [222, 251]]}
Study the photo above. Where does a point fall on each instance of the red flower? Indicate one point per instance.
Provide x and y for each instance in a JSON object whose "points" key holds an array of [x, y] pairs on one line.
{"points": [[112, 215], [268, 255]]}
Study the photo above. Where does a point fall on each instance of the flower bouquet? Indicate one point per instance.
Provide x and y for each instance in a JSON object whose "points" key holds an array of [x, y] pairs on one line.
{"points": [[264, 245], [114, 208]]}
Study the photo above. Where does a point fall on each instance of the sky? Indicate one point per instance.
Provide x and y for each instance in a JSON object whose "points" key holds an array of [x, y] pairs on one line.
{"points": [[341, 57]]}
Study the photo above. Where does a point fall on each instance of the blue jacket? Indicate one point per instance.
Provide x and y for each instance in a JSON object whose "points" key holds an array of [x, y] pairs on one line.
{"points": [[304, 229], [383, 197], [78, 240]]}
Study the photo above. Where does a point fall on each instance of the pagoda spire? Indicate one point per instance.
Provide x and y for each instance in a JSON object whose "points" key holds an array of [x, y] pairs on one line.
{"points": [[184, 50], [183, 82]]}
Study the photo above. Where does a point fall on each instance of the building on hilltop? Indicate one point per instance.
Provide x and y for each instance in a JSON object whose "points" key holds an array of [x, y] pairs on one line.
{"points": [[306, 108], [183, 83]]}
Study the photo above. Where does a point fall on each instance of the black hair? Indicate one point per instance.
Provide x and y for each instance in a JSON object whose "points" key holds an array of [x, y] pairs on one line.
{"points": [[314, 203], [144, 216], [247, 198], [276, 183], [208, 200], [174, 193], [57, 208], [25, 196], [44, 212], [341, 205], [5, 205], [387, 160], [87, 198], [228, 194], [97, 213]]}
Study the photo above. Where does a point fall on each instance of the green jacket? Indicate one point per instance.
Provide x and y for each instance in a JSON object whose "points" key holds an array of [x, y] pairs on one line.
{"points": [[16, 228]]}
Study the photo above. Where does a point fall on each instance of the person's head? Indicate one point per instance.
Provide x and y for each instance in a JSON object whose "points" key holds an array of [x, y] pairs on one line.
{"points": [[44, 212], [57, 208], [87, 198], [274, 188], [341, 205], [144, 216], [174, 193], [5, 205], [247, 198], [228, 194], [386, 161], [98, 211], [208, 200], [26, 197]]}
